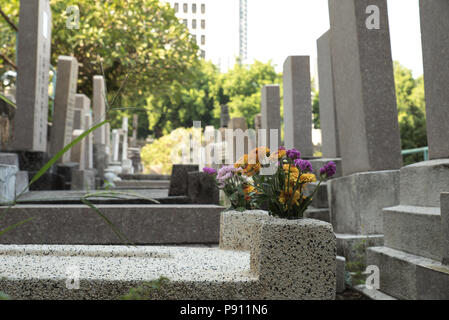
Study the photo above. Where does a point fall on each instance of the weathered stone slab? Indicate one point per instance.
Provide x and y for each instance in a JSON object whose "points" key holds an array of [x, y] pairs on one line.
{"points": [[202, 188], [435, 45], [83, 180], [365, 91], [271, 113], [7, 183], [415, 230], [320, 199], [64, 106], [322, 214], [330, 145], [141, 224], [298, 105], [409, 277], [179, 179], [353, 247], [445, 227], [9, 159], [65, 172], [77, 152], [341, 274], [422, 183], [22, 181], [356, 201], [33, 57], [82, 109], [99, 109]]}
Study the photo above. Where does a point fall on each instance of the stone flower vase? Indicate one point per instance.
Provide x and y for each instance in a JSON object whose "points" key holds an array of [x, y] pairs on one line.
{"points": [[293, 259]]}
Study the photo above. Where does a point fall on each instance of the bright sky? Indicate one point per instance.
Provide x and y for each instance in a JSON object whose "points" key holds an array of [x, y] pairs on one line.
{"points": [[291, 27], [277, 29]]}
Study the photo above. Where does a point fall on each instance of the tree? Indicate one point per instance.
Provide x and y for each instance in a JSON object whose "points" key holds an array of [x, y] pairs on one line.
{"points": [[411, 111], [141, 39]]}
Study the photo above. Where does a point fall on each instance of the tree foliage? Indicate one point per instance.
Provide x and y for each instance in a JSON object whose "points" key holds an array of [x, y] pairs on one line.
{"points": [[139, 38]]}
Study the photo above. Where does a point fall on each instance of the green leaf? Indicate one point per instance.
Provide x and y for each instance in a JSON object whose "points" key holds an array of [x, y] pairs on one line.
{"points": [[12, 104]]}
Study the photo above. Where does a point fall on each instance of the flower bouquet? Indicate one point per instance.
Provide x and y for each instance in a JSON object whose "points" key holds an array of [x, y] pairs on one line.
{"points": [[283, 192]]}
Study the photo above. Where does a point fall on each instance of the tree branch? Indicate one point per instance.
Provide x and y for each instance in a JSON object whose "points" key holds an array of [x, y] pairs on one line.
{"points": [[8, 61], [8, 20]]}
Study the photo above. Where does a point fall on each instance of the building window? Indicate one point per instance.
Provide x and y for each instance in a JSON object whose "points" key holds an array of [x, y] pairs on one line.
{"points": [[176, 7], [194, 37], [203, 24], [203, 8], [203, 40], [194, 24], [193, 7], [185, 21], [203, 54], [185, 7]]}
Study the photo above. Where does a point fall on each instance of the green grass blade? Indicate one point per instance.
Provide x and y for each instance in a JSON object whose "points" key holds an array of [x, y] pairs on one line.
{"points": [[117, 232], [53, 160], [18, 224], [12, 104]]}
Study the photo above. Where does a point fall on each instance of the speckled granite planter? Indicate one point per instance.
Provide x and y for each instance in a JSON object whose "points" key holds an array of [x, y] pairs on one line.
{"points": [[295, 259], [287, 260], [236, 228]]}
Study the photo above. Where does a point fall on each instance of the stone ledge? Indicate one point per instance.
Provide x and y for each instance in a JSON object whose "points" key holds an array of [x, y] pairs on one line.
{"points": [[142, 224]]}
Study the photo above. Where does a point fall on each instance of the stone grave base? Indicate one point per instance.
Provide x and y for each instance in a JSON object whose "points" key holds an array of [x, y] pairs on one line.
{"points": [[142, 184], [288, 260], [353, 247], [356, 201], [410, 277], [142, 224]]}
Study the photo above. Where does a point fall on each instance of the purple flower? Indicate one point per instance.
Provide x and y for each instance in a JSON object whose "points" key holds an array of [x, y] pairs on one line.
{"points": [[225, 174], [210, 171], [281, 148], [330, 169], [304, 165], [293, 154]]}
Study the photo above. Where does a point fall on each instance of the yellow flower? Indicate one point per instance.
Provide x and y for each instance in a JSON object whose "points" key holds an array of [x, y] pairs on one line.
{"points": [[307, 178], [247, 190], [257, 154], [242, 162], [294, 174], [278, 155], [285, 197]]}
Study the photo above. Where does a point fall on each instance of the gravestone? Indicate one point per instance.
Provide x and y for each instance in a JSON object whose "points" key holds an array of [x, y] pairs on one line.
{"points": [[64, 106], [367, 118], [78, 150], [224, 116], [135, 127], [328, 114], [89, 141], [298, 105], [435, 44], [33, 57], [179, 179], [99, 115], [115, 145], [124, 139], [202, 188], [82, 108], [239, 139], [271, 113], [365, 91], [258, 121], [7, 183], [414, 260]]}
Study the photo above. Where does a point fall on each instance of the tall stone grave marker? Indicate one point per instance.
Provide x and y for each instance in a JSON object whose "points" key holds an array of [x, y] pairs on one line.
{"points": [[298, 105], [63, 117], [224, 116], [328, 115], [367, 120], [435, 44], [271, 112], [33, 57], [99, 109], [364, 87]]}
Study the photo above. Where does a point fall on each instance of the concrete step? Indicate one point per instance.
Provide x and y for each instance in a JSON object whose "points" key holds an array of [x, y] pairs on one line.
{"points": [[318, 214], [141, 224], [415, 230], [409, 277], [422, 183], [353, 246]]}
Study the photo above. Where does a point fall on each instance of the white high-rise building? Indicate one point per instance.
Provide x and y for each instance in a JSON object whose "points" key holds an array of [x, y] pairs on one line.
{"points": [[215, 26]]}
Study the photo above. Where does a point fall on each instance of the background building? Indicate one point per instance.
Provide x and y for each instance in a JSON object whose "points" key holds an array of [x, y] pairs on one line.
{"points": [[215, 25]]}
